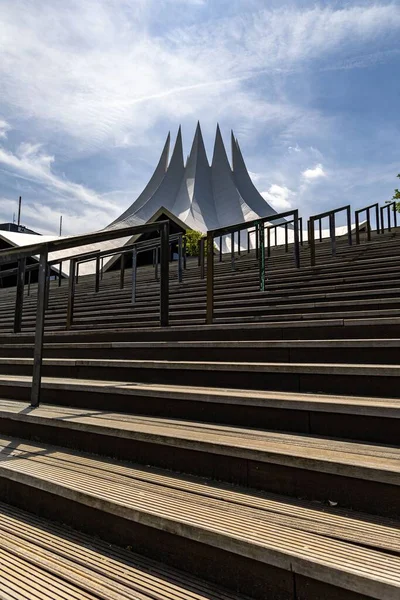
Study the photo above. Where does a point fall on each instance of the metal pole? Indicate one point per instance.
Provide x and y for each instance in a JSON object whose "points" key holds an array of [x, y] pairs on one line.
{"points": [[262, 256], [368, 226], [184, 252], [164, 275], [180, 272], [102, 268], [233, 250], [348, 211], [156, 265], [382, 220], [268, 241], [256, 234], [239, 242], [286, 238], [357, 216], [201, 258], [60, 274], [122, 273], [134, 274], [60, 225], [332, 232], [210, 278], [48, 286], [377, 219], [389, 218], [220, 248], [301, 230], [394, 214], [19, 211], [39, 331], [97, 280], [248, 241], [320, 230], [19, 296], [296, 240], [71, 293], [311, 240]]}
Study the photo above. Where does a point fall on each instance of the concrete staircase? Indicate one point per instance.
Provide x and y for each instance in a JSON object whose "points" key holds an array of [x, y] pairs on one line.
{"points": [[257, 457]]}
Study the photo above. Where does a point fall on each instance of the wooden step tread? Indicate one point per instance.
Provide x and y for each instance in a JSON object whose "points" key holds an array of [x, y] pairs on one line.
{"points": [[358, 405], [60, 563], [244, 531], [373, 462]]}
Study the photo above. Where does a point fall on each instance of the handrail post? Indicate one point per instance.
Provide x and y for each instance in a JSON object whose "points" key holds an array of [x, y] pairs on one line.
{"points": [[180, 274], [97, 280], [348, 213], [184, 252], [102, 268], [233, 251], [257, 244], [389, 218], [210, 279], [239, 242], [248, 242], [395, 214], [71, 293], [268, 241], [201, 257], [320, 230], [332, 233], [382, 220], [134, 274], [48, 273], [164, 275], [19, 296], [122, 273], [301, 230], [357, 216], [296, 240], [368, 225], [311, 240], [378, 230], [77, 272], [262, 256], [39, 331], [60, 274], [286, 238]]}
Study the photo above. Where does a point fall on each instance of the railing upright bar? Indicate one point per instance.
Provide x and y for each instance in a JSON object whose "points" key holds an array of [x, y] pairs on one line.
{"points": [[164, 275], [201, 257], [261, 232], [184, 252], [320, 230], [301, 230], [268, 241], [378, 229], [256, 236], [296, 240], [48, 273], [60, 274], [348, 216], [286, 238], [233, 251], [368, 225], [180, 270], [311, 240], [39, 330], [122, 273], [332, 233], [71, 294], [239, 242], [19, 296], [210, 278], [102, 268], [357, 217], [97, 278], [134, 275], [248, 242]]}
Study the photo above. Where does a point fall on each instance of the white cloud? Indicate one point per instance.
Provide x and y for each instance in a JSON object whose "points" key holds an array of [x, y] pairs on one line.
{"points": [[279, 196], [4, 128], [315, 173], [295, 149]]}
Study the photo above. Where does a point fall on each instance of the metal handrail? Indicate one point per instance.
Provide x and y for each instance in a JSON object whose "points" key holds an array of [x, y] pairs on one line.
{"points": [[387, 207], [43, 249], [332, 231], [367, 209], [260, 225]]}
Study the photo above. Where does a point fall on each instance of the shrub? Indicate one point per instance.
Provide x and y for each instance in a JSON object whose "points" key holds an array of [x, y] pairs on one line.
{"points": [[192, 242]]}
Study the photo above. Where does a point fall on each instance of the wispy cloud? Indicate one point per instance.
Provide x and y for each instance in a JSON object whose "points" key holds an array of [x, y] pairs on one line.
{"points": [[4, 128], [315, 173]]}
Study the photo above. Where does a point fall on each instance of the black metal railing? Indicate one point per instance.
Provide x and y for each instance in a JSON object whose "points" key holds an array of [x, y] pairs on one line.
{"points": [[367, 210], [43, 249], [259, 225], [331, 214], [387, 207]]}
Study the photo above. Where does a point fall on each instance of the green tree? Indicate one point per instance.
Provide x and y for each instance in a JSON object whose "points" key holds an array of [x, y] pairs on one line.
{"points": [[396, 197], [192, 242]]}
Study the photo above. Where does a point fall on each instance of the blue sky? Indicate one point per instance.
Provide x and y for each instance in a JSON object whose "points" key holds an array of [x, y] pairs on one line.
{"points": [[89, 91]]}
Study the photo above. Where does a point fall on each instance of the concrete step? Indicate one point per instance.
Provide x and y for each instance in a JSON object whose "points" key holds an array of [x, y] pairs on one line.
{"points": [[206, 527], [351, 379], [370, 419]]}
